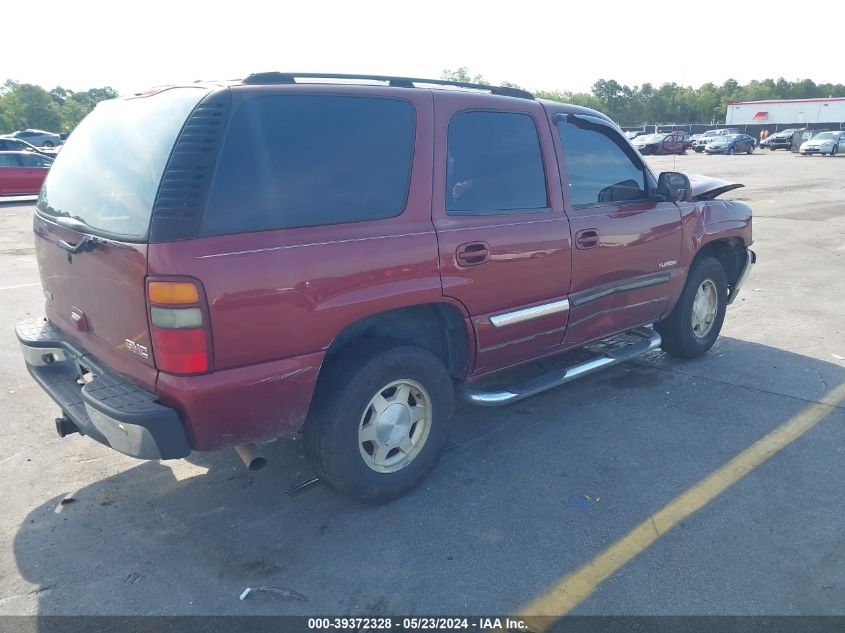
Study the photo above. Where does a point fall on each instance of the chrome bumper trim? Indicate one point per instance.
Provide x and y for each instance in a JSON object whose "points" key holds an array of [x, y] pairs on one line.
{"points": [[751, 259]]}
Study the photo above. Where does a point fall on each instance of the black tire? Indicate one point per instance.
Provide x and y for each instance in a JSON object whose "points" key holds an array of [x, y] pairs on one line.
{"points": [[731, 150], [342, 398], [750, 149], [679, 339], [47, 144]]}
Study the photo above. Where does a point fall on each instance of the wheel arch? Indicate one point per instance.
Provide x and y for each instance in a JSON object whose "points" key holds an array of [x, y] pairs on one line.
{"points": [[729, 251], [438, 327]]}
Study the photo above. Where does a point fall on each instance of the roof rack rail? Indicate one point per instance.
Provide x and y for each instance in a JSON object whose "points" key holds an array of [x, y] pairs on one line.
{"points": [[400, 82]]}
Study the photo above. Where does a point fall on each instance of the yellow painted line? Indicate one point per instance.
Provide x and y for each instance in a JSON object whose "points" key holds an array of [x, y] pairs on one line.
{"points": [[37, 283], [576, 587]]}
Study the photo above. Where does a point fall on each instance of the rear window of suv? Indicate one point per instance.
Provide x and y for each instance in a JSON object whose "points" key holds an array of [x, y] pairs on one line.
{"points": [[305, 160], [106, 177]]}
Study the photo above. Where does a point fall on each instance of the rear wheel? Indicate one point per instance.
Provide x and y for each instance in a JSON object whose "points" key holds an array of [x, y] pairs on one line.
{"points": [[750, 149], [694, 324], [379, 420]]}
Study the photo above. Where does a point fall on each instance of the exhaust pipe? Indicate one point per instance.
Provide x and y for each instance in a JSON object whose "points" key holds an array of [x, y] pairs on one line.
{"points": [[251, 456]]}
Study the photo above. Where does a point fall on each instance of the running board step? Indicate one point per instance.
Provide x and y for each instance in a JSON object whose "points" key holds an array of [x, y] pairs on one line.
{"points": [[648, 340]]}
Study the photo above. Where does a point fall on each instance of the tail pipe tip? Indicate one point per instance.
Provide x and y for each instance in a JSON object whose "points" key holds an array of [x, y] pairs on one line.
{"points": [[251, 456]]}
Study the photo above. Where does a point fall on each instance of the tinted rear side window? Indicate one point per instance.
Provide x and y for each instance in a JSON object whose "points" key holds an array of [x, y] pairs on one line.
{"points": [[494, 164], [306, 160]]}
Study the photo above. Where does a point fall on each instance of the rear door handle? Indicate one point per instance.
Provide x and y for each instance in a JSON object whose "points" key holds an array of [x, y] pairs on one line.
{"points": [[472, 253], [586, 238]]}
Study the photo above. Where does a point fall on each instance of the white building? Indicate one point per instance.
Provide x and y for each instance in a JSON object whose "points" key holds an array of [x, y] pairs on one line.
{"points": [[786, 111]]}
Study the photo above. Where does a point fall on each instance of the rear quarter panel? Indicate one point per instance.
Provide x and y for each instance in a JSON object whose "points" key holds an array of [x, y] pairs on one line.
{"points": [[277, 299], [283, 293]]}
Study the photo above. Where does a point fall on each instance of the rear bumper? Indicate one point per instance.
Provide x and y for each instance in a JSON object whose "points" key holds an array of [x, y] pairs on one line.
{"points": [[109, 408]]}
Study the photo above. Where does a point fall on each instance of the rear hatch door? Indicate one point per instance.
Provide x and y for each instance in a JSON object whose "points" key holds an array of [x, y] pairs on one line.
{"points": [[92, 225]]}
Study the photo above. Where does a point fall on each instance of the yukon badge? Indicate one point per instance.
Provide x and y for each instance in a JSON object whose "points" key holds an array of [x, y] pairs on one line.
{"points": [[140, 350], [668, 264]]}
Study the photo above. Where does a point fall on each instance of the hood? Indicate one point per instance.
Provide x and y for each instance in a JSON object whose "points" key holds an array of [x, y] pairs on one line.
{"points": [[707, 188]]}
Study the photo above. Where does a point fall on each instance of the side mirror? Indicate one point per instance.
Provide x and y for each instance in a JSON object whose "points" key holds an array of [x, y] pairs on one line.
{"points": [[674, 186]]}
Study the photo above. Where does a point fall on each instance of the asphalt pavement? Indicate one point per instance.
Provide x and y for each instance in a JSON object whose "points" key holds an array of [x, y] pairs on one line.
{"points": [[524, 496]]}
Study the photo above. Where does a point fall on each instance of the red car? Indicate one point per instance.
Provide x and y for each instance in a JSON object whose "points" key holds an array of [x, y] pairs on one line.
{"points": [[662, 143], [22, 173], [344, 259]]}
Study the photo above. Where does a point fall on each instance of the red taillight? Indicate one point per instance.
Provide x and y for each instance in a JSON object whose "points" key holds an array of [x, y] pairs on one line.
{"points": [[180, 351], [179, 328]]}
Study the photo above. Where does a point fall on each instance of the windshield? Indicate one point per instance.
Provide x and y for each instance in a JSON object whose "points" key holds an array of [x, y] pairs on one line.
{"points": [[824, 136], [108, 172]]}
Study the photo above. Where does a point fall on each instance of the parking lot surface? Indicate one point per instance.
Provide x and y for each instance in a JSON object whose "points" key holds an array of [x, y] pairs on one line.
{"points": [[525, 495]]}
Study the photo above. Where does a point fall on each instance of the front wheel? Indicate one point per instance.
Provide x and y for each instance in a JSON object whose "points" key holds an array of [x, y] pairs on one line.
{"points": [[379, 420], [694, 324], [731, 150], [750, 149]]}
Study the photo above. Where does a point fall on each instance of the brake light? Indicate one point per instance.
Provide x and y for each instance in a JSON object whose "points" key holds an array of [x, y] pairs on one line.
{"points": [[179, 328]]}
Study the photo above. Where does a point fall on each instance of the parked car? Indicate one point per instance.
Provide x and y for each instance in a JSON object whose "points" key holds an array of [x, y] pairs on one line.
{"points": [[661, 144], [779, 140], [730, 144], [824, 143], [710, 135], [635, 133], [17, 145], [446, 240], [38, 138], [22, 173]]}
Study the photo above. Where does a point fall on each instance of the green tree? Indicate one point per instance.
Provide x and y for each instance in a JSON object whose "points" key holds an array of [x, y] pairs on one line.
{"points": [[60, 110], [462, 75]]}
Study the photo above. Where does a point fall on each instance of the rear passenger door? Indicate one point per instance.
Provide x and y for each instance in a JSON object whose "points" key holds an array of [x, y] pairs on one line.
{"points": [[626, 243], [504, 241]]}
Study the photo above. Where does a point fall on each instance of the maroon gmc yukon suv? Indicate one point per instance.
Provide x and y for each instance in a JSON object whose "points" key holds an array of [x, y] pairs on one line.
{"points": [[226, 264]]}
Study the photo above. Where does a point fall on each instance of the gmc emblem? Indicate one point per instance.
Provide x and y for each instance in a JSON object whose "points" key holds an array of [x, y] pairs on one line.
{"points": [[140, 350]]}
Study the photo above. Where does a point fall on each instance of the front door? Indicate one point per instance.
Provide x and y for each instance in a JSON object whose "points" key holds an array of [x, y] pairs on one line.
{"points": [[626, 242], [673, 144], [503, 236], [34, 168]]}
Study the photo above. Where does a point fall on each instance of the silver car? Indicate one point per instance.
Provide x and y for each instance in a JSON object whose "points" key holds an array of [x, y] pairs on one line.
{"points": [[824, 143], [38, 138]]}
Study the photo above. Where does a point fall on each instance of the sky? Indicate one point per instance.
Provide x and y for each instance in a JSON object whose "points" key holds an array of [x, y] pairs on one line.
{"points": [[131, 45]]}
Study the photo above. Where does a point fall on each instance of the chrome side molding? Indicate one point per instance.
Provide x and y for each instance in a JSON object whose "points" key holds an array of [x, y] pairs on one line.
{"points": [[526, 314]]}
